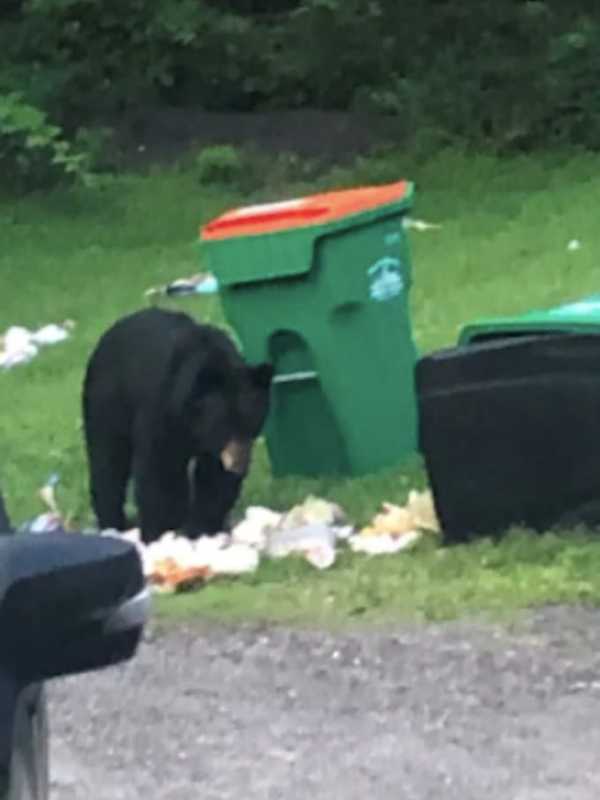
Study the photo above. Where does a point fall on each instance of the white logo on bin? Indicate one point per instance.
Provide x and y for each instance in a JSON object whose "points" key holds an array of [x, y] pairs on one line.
{"points": [[385, 279]]}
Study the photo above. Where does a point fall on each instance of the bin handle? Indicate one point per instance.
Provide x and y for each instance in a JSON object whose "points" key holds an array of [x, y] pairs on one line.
{"points": [[295, 376]]}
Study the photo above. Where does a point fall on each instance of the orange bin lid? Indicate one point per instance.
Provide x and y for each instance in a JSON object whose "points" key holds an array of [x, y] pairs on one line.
{"points": [[317, 209]]}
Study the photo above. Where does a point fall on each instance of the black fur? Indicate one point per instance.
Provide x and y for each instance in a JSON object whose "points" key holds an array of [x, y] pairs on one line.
{"points": [[160, 392], [5, 526]]}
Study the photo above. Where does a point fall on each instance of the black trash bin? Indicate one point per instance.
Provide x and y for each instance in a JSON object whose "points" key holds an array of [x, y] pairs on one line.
{"points": [[510, 431]]}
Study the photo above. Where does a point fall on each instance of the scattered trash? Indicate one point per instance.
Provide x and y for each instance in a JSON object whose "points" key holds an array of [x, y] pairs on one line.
{"points": [[52, 520], [169, 576], [315, 541], [419, 224], [53, 334], [47, 493], [256, 526], [44, 523], [202, 283], [312, 529], [573, 245], [313, 510], [384, 543], [234, 559], [417, 514], [176, 562], [396, 528], [19, 345], [16, 347]]}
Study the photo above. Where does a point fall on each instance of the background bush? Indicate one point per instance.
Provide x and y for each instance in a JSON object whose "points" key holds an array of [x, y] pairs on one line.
{"points": [[511, 74], [32, 150]]}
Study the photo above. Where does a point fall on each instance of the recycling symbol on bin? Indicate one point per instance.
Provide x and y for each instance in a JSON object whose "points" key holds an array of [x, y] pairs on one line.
{"points": [[385, 279]]}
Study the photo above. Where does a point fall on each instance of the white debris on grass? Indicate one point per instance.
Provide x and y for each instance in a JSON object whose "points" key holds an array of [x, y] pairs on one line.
{"points": [[384, 543], [316, 541], [314, 510], [254, 529], [19, 345], [419, 224], [312, 530]]}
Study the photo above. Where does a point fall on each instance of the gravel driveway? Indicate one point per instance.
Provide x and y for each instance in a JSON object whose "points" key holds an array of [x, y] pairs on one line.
{"points": [[448, 711]]}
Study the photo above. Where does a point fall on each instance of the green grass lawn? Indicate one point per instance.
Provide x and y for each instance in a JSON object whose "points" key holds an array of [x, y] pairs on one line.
{"points": [[502, 249]]}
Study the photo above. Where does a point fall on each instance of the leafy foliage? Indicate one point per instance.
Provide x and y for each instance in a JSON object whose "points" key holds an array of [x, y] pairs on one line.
{"points": [[516, 74], [219, 164], [31, 148]]}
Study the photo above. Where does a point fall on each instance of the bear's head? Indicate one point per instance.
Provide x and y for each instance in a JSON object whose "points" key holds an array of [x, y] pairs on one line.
{"points": [[221, 403]]}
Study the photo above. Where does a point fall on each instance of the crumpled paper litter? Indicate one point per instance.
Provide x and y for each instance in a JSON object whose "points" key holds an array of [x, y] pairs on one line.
{"points": [[312, 529], [19, 345]]}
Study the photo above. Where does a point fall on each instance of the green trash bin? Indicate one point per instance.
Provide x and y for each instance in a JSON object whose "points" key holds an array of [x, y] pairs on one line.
{"points": [[319, 286], [581, 316]]}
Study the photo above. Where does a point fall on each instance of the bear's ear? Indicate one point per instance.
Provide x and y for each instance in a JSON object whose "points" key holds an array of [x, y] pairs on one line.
{"points": [[261, 375]]}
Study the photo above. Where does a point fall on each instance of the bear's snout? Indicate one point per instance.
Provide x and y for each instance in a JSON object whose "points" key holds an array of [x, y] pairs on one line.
{"points": [[235, 456]]}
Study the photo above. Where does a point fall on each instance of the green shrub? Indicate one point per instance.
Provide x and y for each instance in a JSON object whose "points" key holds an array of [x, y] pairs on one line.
{"points": [[32, 150], [513, 74], [219, 164]]}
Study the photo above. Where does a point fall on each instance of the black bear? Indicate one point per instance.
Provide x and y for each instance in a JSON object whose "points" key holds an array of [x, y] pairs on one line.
{"points": [[171, 403], [5, 526]]}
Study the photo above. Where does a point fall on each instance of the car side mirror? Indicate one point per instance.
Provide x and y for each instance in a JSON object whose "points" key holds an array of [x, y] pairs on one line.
{"points": [[68, 603]]}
